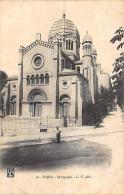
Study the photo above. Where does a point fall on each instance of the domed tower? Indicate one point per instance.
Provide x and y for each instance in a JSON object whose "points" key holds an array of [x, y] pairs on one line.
{"points": [[87, 62], [87, 48], [65, 31]]}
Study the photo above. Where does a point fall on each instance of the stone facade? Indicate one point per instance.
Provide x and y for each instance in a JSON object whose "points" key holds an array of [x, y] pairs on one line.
{"points": [[53, 80]]}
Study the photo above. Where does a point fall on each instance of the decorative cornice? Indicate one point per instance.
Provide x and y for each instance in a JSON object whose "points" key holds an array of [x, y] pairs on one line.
{"points": [[38, 42], [59, 36], [68, 73], [79, 62]]}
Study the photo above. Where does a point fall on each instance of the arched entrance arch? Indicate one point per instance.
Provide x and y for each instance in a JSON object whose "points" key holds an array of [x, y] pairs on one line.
{"points": [[65, 103], [36, 98]]}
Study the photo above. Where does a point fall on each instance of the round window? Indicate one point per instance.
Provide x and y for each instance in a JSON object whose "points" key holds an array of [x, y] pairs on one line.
{"points": [[65, 83], [37, 61]]}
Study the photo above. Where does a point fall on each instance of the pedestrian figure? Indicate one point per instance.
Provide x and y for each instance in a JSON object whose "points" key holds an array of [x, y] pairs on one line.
{"points": [[58, 135]]}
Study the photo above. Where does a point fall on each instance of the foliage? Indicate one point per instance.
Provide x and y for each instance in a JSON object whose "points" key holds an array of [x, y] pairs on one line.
{"points": [[94, 113], [118, 67], [119, 35], [3, 79], [1, 104]]}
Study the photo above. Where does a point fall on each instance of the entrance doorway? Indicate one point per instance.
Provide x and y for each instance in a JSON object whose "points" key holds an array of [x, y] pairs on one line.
{"points": [[36, 100], [65, 103]]}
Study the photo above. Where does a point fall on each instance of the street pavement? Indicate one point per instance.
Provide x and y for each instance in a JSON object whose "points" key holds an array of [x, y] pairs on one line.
{"points": [[91, 161], [29, 157], [36, 137], [87, 145]]}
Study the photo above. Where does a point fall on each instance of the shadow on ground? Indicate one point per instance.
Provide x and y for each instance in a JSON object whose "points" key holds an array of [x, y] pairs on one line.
{"points": [[53, 156]]}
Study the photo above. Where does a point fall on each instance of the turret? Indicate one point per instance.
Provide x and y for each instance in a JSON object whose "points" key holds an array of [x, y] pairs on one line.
{"points": [[87, 47], [87, 62]]}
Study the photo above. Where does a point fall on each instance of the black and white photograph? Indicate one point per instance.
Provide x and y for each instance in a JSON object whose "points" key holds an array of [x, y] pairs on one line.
{"points": [[61, 97]]}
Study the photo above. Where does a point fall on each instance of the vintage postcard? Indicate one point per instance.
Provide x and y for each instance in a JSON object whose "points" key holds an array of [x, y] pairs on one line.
{"points": [[61, 97]]}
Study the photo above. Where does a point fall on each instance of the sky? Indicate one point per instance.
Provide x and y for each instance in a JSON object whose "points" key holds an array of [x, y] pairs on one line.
{"points": [[21, 20]]}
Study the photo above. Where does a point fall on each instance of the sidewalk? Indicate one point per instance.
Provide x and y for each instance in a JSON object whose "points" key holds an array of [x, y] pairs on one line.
{"points": [[68, 134]]}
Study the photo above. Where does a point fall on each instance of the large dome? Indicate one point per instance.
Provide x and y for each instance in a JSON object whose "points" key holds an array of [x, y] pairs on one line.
{"points": [[63, 27]]}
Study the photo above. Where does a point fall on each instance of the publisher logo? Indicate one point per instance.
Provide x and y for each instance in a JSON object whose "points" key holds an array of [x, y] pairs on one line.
{"points": [[10, 172]]}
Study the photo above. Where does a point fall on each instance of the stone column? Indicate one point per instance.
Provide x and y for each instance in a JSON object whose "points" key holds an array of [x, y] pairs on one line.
{"points": [[79, 85], [20, 83]]}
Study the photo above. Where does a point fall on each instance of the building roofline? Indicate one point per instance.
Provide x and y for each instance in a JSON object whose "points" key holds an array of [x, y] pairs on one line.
{"points": [[38, 42], [12, 78], [64, 53]]}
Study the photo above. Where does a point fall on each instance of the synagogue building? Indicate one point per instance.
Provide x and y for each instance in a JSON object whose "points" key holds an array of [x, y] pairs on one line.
{"points": [[53, 79]]}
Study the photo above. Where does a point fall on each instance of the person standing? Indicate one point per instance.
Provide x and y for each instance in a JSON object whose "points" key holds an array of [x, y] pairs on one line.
{"points": [[58, 135]]}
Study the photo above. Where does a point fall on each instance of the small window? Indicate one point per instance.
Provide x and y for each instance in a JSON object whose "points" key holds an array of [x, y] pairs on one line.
{"points": [[14, 86], [71, 45], [47, 78], [28, 80], [65, 83], [37, 79], [78, 69], [32, 79], [67, 44], [41, 79]]}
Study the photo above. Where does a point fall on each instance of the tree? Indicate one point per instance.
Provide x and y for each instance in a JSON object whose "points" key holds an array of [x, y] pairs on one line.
{"points": [[3, 79], [118, 68], [94, 113], [105, 97]]}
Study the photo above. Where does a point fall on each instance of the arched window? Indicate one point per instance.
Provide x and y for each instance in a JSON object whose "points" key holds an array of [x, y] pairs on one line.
{"points": [[78, 69], [42, 79], [71, 45], [28, 80], [37, 79], [47, 78], [67, 44], [32, 79]]}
